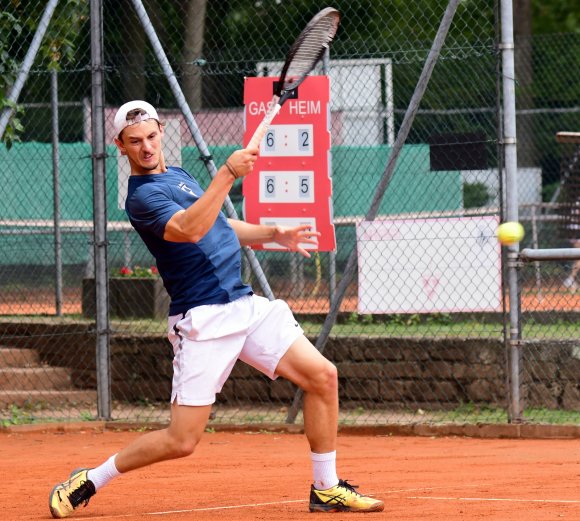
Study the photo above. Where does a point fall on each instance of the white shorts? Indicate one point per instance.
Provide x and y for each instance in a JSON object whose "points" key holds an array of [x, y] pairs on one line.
{"points": [[208, 341]]}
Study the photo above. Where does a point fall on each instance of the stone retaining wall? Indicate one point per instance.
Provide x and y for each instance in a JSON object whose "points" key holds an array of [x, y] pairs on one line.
{"points": [[374, 372]]}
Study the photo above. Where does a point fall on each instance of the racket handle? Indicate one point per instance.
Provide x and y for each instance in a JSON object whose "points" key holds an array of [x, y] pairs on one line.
{"points": [[263, 127]]}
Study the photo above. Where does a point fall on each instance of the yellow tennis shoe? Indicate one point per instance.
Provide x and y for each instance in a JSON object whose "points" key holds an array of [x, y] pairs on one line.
{"points": [[66, 497], [342, 498]]}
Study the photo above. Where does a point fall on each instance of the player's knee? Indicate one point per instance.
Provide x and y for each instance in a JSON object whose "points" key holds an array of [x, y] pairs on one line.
{"points": [[180, 447], [183, 449], [326, 380]]}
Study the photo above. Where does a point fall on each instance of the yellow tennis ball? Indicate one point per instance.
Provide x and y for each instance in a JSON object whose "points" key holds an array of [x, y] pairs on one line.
{"points": [[510, 233]]}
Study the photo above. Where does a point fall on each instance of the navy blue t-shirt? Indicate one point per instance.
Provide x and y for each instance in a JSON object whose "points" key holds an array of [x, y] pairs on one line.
{"points": [[194, 274]]}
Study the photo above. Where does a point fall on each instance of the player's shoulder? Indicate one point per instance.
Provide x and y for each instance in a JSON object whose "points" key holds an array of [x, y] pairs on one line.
{"points": [[156, 182], [177, 170]]}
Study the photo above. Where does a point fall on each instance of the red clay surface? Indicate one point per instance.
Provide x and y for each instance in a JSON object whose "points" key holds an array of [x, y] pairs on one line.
{"points": [[258, 476], [42, 302]]}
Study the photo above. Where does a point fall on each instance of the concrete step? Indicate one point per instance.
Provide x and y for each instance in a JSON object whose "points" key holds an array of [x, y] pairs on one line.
{"points": [[14, 357], [47, 398], [35, 378]]}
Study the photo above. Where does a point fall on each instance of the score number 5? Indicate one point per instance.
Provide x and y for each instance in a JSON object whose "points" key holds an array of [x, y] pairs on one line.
{"points": [[287, 187]]}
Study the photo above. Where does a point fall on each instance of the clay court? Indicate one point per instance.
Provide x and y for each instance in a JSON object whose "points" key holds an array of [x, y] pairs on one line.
{"points": [[41, 302], [258, 475]]}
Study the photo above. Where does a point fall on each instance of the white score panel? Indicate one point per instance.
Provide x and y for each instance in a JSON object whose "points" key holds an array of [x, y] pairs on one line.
{"points": [[288, 222], [429, 265], [287, 187], [288, 140]]}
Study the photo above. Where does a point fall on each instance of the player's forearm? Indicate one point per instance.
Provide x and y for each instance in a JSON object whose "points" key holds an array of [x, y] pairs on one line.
{"points": [[193, 223], [249, 234]]}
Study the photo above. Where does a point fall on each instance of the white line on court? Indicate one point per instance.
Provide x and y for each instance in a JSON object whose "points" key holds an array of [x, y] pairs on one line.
{"points": [[508, 500], [204, 509]]}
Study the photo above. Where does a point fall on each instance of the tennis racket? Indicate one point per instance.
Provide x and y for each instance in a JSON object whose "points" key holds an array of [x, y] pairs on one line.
{"points": [[305, 53]]}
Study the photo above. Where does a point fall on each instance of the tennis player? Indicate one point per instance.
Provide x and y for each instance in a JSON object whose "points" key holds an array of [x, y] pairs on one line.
{"points": [[573, 229], [214, 318], [570, 280]]}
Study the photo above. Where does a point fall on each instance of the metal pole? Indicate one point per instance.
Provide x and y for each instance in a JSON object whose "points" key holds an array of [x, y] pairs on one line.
{"points": [[511, 196], [27, 64], [535, 243], [383, 183], [501, 181], [332, 254], [100, 213], [548, 254], [56, 193], [195, 132]]}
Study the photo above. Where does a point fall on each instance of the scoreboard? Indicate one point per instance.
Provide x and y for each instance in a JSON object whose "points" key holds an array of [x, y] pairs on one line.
{"points": [[291, 183]]}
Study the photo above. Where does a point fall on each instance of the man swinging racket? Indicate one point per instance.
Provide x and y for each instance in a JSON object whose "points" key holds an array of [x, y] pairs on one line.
{"points": [[214, 318]]}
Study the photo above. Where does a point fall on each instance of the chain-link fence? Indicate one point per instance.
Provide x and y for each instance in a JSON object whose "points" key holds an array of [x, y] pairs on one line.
{"points": [[422, 333]]}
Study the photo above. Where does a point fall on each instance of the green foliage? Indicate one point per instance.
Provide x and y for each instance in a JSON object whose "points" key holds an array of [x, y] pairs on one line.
{"points": [[439, 318], [18, 416], [10, 28], [555, 16], [86, 416], [475, 195], [548, 191], [441, 325], [406, 320], [355, 318], [18, 23]]}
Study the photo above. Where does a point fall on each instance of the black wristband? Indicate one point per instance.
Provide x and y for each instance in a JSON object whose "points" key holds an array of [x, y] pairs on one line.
{"points": [[232, 170]]}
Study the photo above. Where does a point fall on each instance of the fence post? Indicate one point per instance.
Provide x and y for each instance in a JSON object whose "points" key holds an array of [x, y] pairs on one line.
{"points": [[100, 213], [511, 168], [56, 193]]}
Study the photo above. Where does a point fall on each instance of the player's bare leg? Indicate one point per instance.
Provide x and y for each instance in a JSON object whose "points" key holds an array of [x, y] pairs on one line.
{"points": [[305, 366], [178, 440], [317, 377]]}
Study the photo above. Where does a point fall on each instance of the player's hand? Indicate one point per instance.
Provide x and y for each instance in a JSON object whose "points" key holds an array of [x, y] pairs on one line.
{"points": [[241, 162], [291, 238]]}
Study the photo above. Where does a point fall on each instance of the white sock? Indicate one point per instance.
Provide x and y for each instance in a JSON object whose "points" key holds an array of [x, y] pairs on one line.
{"points": [[324, 470], [101, 475]]}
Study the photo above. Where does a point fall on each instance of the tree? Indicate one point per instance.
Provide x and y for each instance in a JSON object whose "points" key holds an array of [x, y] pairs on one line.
{"points": [[525, 78], [18, 23], [193, 52], [10, 28]]}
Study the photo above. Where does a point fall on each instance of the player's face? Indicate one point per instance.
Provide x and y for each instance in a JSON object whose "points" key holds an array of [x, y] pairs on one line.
{"points": [[142, 146]]}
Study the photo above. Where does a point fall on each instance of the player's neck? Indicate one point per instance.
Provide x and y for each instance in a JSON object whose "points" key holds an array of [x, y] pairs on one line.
{"points": [[137, 170]]}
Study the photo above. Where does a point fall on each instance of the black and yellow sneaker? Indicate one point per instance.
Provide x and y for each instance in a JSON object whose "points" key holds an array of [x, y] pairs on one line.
{"points": [[343, 498], [66, 497]]}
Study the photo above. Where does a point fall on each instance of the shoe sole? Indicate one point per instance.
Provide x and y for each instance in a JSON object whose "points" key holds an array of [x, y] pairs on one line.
{"points": [[379, 507]]}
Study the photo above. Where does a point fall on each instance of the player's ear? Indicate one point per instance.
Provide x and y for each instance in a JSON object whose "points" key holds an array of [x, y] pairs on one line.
{"points": [[120, 146]]}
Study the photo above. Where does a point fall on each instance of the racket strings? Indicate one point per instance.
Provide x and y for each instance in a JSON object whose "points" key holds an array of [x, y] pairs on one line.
{"points": [[309, 48]]}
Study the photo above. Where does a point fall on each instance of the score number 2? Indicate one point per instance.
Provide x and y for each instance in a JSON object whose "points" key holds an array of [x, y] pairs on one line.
{"points": [[288, 140]]}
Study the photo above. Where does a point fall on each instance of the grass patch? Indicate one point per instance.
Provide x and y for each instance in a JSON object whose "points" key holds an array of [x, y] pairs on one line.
{"points": [[441, 325], [468, 329]]}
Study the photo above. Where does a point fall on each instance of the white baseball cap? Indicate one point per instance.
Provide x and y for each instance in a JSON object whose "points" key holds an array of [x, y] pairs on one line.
{"points": [[121, 120]]}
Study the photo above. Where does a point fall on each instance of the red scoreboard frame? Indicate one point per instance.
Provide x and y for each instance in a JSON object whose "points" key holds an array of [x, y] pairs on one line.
{"points": [[291, 183]]}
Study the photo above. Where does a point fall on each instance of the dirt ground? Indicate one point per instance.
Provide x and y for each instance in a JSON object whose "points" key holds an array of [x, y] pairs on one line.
{"points": [[245, 475]]}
